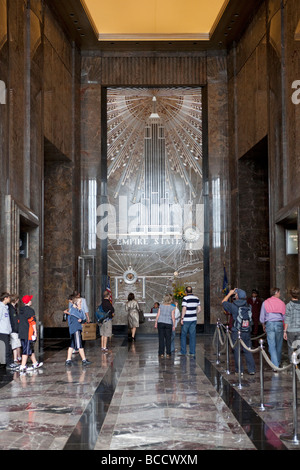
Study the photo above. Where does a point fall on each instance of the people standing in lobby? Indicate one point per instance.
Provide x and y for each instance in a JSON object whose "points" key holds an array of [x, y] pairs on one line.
{"points": [[256, 304], [75, 319], [106, 327], [28, 334], [190, 309], [14, 336], [132, 309], [84, 306], [155, 307], [177, 318], [6, 329], [240, 300], [165, 323], [292, 322], [271, 317]]}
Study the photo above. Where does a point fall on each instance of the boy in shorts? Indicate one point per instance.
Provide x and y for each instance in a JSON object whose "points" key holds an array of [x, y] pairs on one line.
{"points": [[27, 334], [75, 319]]}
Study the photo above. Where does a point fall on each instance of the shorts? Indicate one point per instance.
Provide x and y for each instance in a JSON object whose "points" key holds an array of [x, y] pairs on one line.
{"points": [[15, 341], [106, 328], [27, 347], [76, 340]]}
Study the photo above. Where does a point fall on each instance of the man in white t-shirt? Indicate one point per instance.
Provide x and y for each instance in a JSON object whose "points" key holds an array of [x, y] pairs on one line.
{"points": [[190, 309]]}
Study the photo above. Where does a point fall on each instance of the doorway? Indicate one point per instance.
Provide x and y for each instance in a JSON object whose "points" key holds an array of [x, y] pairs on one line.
{"points": [[287, 260], [253, 220]]}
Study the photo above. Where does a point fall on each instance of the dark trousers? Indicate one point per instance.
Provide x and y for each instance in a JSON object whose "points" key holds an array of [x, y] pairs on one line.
{"points": [[8, 352], [248, 355], [164, 337]]}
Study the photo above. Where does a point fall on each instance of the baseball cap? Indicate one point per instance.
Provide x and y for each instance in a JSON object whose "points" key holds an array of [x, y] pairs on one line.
{"points": [[241, 294], [26, 299]]}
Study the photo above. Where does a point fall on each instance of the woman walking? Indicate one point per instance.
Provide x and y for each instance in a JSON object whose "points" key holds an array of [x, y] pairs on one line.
{"points": [[132, 308], [165, 323]]}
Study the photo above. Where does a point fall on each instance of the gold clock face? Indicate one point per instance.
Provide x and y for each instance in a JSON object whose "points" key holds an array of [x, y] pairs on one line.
{"points": [[130, 276]]}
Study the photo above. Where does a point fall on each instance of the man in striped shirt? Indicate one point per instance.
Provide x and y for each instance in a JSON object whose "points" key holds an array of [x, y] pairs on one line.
{"points": [[190, 308]]}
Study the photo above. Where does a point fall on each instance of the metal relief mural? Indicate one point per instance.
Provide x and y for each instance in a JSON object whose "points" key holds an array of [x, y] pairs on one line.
{"points": [[154, 221]]}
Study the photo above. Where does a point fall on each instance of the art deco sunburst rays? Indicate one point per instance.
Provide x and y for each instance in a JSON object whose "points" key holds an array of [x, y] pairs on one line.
{"points": [[180, 113]]}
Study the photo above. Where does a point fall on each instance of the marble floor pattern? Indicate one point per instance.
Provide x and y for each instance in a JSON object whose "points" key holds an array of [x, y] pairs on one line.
{"points": [[130, 399]]}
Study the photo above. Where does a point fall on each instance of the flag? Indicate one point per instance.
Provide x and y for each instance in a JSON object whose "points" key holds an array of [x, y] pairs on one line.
{"points": [[109, 289], [225, 289]]}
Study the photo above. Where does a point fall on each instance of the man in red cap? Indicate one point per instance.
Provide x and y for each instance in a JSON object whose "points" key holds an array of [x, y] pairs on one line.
{"points": [[27, 334]]}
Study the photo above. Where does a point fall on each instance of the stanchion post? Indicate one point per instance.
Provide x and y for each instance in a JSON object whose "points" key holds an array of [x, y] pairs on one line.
{"points": [[239, 360], [227, 350], [262, 407], [218, 352], [293, 438]]}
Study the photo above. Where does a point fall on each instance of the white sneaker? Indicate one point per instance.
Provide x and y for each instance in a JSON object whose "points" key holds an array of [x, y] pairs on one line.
{"points": [[36, 365], [24, 369], [12, 366]]}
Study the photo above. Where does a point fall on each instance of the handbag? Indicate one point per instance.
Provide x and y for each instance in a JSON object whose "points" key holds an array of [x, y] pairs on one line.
{"points": [[141, 316]]}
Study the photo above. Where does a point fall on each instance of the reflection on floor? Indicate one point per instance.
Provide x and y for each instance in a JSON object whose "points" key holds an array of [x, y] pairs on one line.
{"points": [[130, 399]]}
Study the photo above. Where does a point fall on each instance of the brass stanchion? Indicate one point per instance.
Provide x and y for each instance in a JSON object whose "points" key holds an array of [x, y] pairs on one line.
{"points": [[263, 406], [227, 350], [294, 437], [218, 346]]}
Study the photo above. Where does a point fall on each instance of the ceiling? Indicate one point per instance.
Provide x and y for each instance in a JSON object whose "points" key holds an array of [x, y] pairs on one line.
{"points": [[154, 19], [154, 25]]}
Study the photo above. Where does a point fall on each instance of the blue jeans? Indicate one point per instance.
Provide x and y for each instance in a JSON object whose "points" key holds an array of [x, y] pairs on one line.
{"points": [[246, 338], [274, 330], [188, 327]]}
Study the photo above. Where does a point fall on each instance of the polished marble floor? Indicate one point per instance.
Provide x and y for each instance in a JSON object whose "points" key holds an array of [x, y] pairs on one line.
{"points": [[129, 399]]}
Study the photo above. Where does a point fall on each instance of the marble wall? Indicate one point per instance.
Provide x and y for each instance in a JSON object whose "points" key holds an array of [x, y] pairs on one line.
{"points": [[41, 70], [262, 67], [248, 127], [61, 171]]}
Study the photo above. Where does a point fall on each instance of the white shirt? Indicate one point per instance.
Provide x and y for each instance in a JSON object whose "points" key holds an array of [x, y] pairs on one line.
{"points": [[5, 326], [191, 303]]}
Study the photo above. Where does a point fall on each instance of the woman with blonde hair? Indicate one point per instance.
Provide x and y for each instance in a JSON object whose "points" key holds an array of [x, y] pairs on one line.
{"points": [[165, 323]]}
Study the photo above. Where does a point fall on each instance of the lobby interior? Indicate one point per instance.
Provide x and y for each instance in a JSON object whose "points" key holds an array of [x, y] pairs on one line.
{"points": [[146, 153]]}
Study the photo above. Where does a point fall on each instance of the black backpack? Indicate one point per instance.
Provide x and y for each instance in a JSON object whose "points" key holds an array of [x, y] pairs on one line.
{"points": [[244, 318], [101, 315]]}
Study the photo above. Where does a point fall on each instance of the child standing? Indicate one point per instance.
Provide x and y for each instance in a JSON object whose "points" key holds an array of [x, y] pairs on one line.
{"points": [[27, 334], [75, 319]]}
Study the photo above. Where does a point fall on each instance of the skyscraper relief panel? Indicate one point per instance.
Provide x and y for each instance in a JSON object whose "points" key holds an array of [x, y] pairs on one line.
{"points": [[154, 173]]}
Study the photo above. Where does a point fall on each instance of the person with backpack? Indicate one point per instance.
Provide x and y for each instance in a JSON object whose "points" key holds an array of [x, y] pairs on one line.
{"points": [[242, 321]]}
